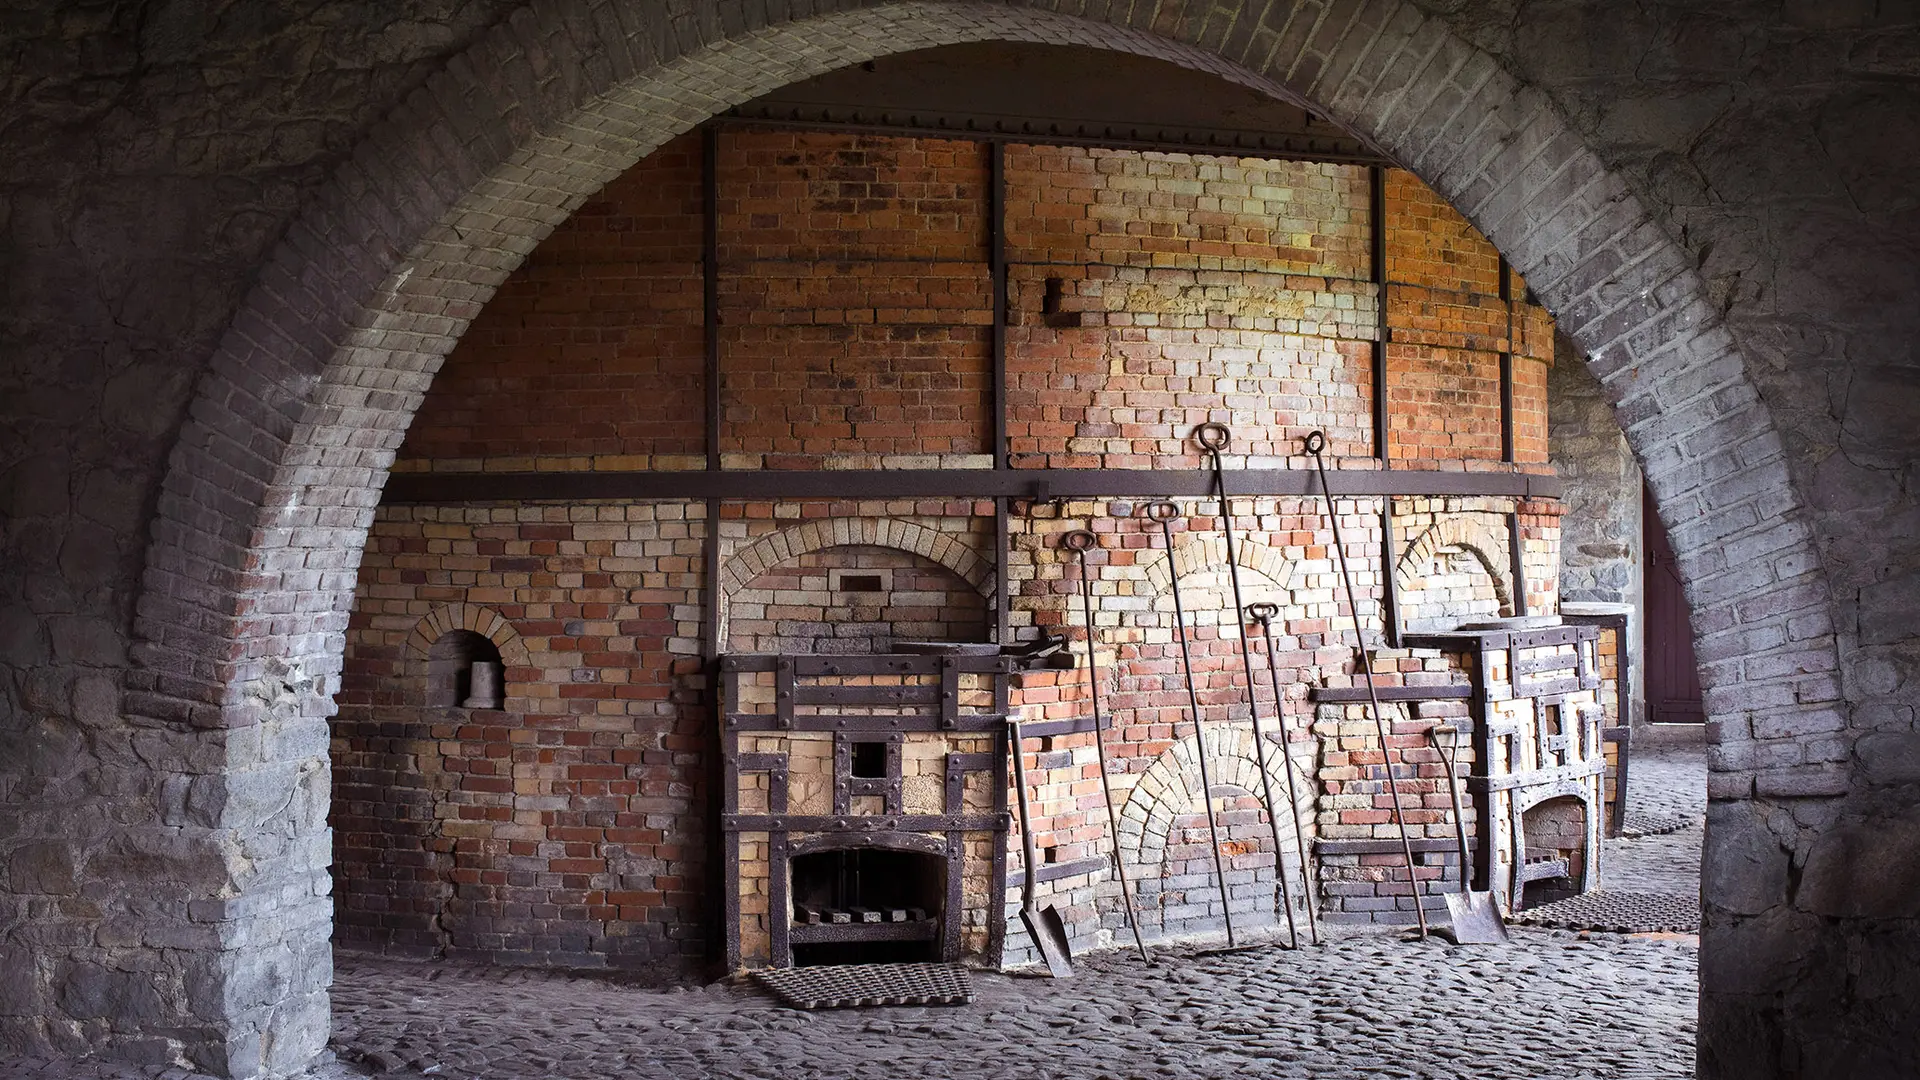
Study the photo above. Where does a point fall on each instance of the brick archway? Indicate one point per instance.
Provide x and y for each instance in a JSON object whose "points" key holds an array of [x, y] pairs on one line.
{"points": [[1194, 553], [271, 488], [746, 561], [1476, 539]]}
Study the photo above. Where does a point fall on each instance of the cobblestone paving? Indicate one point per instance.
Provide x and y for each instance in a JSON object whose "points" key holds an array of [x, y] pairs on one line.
{"points": [[1553, 1006], [1662, 780], [1362, 1006]]}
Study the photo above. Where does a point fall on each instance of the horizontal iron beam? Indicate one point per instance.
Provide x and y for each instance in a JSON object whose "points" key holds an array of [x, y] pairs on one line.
{"points": [[858, 823], [1040, 484]]}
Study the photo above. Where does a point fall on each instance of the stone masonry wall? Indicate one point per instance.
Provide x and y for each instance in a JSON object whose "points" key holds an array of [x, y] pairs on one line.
{"points": [[1600, 534]]}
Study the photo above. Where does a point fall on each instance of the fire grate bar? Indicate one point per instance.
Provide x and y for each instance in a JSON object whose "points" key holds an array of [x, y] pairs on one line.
{"points": [[1619, 913], [1645, 823], [850, 986]]}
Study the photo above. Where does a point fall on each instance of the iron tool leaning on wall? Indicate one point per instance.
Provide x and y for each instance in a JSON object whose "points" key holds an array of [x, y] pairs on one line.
{"points": [[1213, 438], [1080, 541], [1316, 442]]}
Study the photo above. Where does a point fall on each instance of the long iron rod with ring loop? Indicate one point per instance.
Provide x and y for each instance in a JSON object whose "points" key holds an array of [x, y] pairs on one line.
{"points": [[1213, 438], [1164, 512], [1080, 541], [1316, 445], [1263, 614]]}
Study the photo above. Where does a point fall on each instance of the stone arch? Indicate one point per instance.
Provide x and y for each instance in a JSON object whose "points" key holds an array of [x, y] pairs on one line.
{"points": [[1454, 530], [271, 488]]}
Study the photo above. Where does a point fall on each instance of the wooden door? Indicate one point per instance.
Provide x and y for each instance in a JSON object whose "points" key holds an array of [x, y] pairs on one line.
{"points": [[1672, 677]]}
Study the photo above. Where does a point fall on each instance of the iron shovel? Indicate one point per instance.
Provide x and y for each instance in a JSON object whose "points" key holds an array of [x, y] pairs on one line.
{"points": [[1044, 925], [1476, 918]]}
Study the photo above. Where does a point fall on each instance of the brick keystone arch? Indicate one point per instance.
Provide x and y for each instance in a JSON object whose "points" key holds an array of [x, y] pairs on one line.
{"points": [[264, 510], [751, 560], [1458, 532], [478, 618]]}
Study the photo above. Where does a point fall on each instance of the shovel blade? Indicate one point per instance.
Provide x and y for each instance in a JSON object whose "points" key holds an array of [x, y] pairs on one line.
{"points": [[1049, 935], [1476, 921]]}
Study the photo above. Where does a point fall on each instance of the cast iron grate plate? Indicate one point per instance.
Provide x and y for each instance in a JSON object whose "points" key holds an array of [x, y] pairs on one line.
{"points": [[1619, 913], [848, 986], [1646, 823]]}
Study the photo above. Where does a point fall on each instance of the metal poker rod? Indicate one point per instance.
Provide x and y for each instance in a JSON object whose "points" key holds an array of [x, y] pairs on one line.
{"points": [[1080, 541], [1263, 614], [1316, 443], [1214, 438], [1164, 513]]}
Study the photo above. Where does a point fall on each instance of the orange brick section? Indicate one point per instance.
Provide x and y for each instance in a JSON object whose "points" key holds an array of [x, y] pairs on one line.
{"points": [[1447, 326], [593, 349], [1077, 205], [1153, 292], [854, 299]]}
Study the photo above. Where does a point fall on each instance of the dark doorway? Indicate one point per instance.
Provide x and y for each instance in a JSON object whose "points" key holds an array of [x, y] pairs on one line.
{"points": [[1673, 679]]}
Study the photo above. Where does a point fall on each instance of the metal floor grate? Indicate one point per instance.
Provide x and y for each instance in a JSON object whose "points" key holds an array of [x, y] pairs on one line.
{"points": [[847, 986], [1647, 823], [1618, 913]]}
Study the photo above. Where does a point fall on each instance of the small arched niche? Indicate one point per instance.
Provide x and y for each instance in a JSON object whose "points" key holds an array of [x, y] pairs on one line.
{"points": [[464, 670]]}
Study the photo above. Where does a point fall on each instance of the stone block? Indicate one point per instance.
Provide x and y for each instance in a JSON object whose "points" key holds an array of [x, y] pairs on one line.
{"points": [[1889, 757], [45, 867], [1743, 865], [128, 1000], [1865, 869], [1887, 610]]}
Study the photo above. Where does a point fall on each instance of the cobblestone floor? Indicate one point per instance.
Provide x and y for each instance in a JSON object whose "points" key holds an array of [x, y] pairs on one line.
{"points": [[1553, 1006], [1666, 780]]}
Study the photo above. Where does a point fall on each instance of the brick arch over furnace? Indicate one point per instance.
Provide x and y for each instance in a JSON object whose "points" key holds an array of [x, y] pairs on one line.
{"points": [[270, 490], [1193, 553], [746, 563], [1171, 787], [1468, 535], [749, 561]]}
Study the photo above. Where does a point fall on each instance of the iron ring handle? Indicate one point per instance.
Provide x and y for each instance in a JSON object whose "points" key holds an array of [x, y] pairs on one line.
{"points": [[1316, 442], [1262, 612], [1162, 511], [1212, 437], [1080, 540]]}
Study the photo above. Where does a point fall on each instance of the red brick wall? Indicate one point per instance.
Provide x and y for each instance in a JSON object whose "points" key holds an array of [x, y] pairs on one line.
{"points": [[1448, 327], [854, 298], [1150, 292]]}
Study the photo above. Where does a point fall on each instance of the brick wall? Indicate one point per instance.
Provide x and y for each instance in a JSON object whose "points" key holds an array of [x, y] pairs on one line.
{"points": [[590, 354], [1448, 327], [568, 827], [1148, 292], [854, 299]]}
